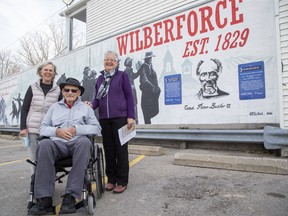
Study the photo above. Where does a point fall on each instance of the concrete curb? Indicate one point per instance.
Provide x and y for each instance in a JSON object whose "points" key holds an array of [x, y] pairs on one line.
{"points": [[240, 163], [146, 150]]}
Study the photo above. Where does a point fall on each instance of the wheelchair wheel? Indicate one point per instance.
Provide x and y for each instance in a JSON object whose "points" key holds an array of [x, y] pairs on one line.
{"points": [[100, 178], [91, 207]]}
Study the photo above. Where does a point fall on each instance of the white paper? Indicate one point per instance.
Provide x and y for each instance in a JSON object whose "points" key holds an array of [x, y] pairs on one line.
{"points": [[125, 135]]}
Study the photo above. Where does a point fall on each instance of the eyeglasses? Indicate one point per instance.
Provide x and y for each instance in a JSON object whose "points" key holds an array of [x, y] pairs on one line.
{"points": [[112, 60], [72, 90]]}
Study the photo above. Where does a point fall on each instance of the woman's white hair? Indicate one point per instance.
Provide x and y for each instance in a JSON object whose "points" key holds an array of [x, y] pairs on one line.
{"points": [[109, 52]]}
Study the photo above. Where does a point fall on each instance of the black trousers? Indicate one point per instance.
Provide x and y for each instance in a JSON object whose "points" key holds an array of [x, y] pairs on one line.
{"points": [[116, 156]]}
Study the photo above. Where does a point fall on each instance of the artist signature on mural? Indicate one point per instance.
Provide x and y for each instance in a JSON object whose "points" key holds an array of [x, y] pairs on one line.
{"points": [[260, 113], [256, 113], [202, 106]]}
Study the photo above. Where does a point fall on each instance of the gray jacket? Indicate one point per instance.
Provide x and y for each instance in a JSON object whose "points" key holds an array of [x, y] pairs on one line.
{"points": [[79, 116]]}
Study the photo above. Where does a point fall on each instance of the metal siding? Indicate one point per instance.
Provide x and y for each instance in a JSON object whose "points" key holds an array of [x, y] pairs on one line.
{"points": [[285, 61], [285, 74], [285, 69], [284, 26], [283, 7], [103, 23], [284, 49], [283, 20], [284, 33], [284, 38], [285, 91]]}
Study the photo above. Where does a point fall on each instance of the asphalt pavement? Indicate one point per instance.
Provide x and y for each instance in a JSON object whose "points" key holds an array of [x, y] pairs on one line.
{"points": [[159, 186]]}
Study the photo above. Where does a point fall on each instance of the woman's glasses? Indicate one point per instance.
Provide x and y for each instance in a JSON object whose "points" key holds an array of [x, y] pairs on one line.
{"points": [[72, 90]]}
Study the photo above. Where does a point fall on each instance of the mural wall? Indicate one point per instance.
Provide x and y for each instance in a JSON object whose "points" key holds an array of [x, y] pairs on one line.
{"points": [[213, 64]]}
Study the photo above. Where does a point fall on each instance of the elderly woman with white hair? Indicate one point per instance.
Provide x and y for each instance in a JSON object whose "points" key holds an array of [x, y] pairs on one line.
{"points": [[114, 99]]}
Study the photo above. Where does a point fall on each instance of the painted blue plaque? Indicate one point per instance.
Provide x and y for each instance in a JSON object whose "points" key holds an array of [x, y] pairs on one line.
{"points": [[251, 81], [173, 89]]}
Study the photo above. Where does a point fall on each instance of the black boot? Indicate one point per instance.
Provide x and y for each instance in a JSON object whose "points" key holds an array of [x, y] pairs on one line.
{"points": [[68, 204], [42, 207]]}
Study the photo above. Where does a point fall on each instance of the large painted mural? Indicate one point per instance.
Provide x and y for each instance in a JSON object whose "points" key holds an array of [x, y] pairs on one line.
{"points": [[213, 64]]}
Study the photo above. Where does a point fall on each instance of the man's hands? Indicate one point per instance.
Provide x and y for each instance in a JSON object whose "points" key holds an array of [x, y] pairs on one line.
{"points": [[66, 133]]}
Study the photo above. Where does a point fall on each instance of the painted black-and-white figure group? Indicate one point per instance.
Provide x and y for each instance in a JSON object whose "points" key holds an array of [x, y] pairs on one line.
{"points": [[132, 76], [16, 109], [88, 82], [3, 117], [14, 113], [148, 86], [150, 89], [62, 79]]}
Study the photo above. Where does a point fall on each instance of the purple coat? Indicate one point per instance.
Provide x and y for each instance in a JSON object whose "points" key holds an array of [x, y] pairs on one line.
{"points": [[119, 100]]}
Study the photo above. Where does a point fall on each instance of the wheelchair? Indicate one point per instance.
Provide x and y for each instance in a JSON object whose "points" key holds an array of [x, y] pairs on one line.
{"points": [[94, 182]]}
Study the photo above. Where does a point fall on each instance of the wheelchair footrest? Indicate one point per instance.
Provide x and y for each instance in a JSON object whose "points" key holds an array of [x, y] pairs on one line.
{"points": [[79, 204], [30, 204], [50, 211]]}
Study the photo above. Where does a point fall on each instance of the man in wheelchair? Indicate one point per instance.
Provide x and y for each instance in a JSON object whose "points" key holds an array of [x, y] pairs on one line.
{"points": [[67, 124]]}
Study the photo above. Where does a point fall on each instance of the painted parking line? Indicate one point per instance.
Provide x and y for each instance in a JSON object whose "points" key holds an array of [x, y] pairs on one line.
{"points": [[136, 160], [131, 163], [11, 162]]}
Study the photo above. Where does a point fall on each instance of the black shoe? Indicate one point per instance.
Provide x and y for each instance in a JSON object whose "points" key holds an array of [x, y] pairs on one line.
{"points": [[68, 204], [42, 207]]}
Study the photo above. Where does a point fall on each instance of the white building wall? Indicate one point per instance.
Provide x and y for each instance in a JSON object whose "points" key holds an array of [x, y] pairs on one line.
{"points": [[283, 24]]}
